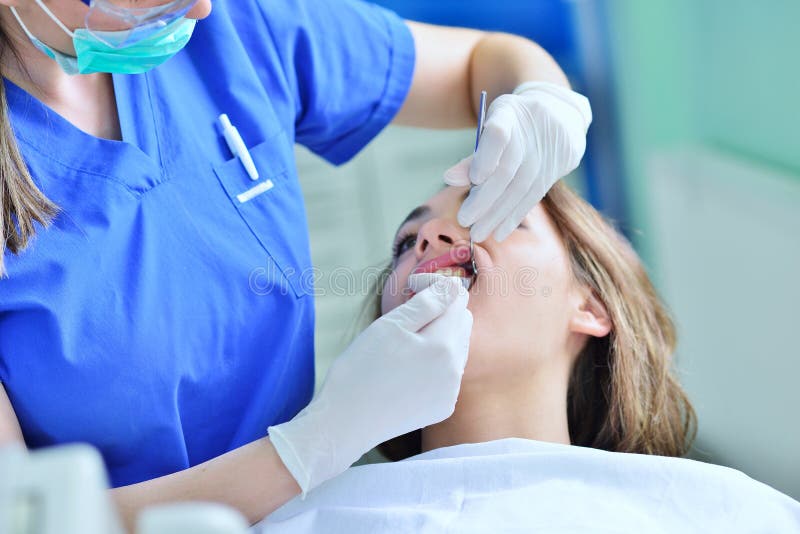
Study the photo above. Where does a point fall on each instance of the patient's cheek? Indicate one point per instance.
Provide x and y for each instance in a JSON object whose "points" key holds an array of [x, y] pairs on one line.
{"points": [[393, 292], [387, 300], [516, 327]]}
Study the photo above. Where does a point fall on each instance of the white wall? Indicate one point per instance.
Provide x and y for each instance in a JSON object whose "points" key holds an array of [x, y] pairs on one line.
{"points": [[727, 245]]}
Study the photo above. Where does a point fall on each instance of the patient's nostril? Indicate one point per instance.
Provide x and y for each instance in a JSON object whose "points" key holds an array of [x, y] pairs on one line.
{"points": [[446, 239]]}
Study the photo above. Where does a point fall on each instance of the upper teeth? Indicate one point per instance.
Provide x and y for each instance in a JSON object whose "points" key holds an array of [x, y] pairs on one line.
{"points": [[450, 271]]}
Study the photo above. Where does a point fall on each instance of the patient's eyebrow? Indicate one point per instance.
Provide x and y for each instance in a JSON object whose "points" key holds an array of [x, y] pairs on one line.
{"points": [[416, 213]]}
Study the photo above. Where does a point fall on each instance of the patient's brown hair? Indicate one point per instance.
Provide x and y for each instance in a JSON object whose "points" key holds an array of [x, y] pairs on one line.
{"points": [[623, 394]]}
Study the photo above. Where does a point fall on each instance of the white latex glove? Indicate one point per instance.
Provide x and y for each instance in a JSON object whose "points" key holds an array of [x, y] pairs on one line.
{"points": [[402, 373], [531, 139]]}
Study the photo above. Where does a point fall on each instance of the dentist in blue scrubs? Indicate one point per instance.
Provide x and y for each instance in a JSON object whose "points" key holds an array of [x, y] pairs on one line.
{"points": [[152, 302]]}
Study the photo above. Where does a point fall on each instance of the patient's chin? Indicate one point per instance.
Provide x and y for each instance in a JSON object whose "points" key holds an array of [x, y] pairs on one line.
{"points": [[487, 355], [503, 349]]}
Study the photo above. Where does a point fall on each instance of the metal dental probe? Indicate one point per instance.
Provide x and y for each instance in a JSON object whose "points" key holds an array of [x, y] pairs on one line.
{"points": [[472, 259], [481, 119]]}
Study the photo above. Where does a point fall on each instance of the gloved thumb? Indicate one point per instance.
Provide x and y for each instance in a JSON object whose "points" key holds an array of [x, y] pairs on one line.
{"points": [[458, 174], [428, 304], [419, 282]]}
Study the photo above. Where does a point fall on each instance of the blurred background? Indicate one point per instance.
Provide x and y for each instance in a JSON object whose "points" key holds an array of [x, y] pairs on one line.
{"points": [[694, 152]]}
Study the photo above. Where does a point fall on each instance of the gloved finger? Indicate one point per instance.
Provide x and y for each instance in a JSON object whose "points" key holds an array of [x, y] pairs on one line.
{"points": [[426, 305], [482, 197], [418, 282], [455, 326], [458, 174], [455, 320], [502, 208], [520, 211], [497, 133], [422, 281]]}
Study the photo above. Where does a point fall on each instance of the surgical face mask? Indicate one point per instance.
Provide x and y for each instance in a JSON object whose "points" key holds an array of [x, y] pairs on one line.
{"points": [[93, 54]]}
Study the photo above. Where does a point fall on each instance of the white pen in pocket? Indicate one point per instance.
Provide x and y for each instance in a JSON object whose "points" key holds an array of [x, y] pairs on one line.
{"points": [[237, 146]]}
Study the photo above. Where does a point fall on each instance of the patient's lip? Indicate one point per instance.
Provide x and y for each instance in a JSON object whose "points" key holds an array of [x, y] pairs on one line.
{"points": [[456, 256]]}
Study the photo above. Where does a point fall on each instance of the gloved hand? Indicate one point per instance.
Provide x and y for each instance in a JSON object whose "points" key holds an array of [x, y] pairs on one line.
{"points": [[531, 139], [402, 373]]}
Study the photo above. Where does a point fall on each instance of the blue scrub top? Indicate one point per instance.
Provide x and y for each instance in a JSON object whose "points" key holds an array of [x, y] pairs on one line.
{"points": [[160, 319]]}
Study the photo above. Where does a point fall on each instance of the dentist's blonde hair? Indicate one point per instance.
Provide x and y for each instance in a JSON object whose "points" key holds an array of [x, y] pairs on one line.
{"points": [[22, 204], [623, 394]]}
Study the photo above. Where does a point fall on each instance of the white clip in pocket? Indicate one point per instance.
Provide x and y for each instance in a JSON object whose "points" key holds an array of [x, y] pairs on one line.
{"points": [[253, 192]]}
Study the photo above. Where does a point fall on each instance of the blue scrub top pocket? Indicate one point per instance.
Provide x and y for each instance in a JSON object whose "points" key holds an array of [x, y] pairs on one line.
{"points": [[273, 207]]}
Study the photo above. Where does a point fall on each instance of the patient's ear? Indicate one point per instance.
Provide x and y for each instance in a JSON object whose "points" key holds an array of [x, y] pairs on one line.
{"points": [[590, 316]]}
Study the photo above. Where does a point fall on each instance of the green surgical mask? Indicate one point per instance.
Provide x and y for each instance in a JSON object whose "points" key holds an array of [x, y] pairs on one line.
{"points": [[94, 55]]}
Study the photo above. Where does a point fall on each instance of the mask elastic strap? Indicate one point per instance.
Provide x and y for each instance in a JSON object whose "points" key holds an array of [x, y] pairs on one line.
{"points": [[54, 18], [22, 24]]}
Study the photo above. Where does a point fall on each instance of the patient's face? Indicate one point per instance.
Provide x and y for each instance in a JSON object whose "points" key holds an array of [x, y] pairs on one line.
{"points": [[523, 294]]}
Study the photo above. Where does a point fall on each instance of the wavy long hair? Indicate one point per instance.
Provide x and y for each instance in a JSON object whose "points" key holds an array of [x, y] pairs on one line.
{"points": [[22, 204]]}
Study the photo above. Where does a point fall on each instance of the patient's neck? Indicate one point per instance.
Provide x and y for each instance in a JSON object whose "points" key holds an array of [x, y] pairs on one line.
{"points": [[531, 407]]}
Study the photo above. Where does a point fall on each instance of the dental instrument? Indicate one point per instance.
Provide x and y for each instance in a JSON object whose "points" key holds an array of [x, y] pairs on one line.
{"points": [[481, 119], [479, 133], [472, 260]]}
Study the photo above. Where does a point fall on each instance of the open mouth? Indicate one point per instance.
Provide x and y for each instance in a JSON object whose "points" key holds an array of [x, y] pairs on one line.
{"points": [[457, 262]]}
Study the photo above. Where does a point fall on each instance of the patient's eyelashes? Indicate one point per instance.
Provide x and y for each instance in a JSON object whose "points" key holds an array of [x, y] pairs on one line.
{"points": [[403, 243]]}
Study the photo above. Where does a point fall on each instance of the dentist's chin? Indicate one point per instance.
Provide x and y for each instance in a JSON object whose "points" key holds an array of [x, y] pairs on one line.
{"points": [[200, 10]]}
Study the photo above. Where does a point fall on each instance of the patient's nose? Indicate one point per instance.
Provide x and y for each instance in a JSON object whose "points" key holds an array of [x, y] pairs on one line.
{"points": [[440, 235]]}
